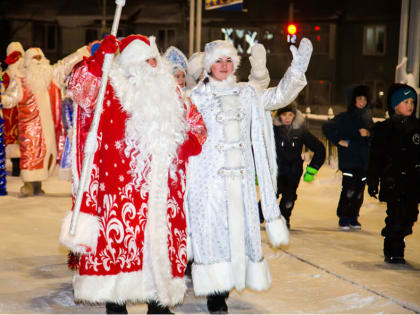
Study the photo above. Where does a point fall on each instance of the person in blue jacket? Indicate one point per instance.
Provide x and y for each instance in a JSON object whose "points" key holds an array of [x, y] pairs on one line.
{"points": [[350, 132]]}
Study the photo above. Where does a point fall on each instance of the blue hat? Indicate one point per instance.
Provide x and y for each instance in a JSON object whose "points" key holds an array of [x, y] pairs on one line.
{"points": [[177, 59], [400, 95]]}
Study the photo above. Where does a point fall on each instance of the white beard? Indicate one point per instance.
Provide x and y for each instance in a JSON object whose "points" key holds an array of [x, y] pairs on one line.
{"points": [[38, 76], [156, 123]]}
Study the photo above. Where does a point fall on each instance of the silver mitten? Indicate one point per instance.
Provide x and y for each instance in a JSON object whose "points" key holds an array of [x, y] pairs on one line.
{"points": [[301, 56]]}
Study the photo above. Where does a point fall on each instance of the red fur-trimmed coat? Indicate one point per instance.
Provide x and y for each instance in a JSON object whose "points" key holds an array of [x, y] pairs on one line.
{"points": [[116, 232]]}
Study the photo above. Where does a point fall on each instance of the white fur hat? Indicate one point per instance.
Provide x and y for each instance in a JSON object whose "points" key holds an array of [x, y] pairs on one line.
{"points": [[177, 59], [195, 65], [135, 48], [218, 49], [14, 46]]}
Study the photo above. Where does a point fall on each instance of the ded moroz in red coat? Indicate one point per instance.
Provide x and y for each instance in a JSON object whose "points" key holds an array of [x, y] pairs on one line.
{"points": [[131, 234]]}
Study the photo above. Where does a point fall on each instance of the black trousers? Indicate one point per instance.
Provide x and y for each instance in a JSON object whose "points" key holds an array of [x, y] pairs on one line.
{"points": [[352, 193], [401, 213], [287, 187]]}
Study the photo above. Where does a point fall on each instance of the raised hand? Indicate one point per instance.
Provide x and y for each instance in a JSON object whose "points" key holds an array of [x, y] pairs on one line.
{"points": [[301, 55]]}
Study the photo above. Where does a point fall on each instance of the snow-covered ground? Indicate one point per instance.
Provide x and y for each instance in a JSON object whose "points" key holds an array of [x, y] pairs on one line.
{"points": [[324, 270]]}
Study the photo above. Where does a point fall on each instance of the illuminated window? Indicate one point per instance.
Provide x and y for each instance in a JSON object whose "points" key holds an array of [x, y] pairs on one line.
{"points": [[374, 40]]}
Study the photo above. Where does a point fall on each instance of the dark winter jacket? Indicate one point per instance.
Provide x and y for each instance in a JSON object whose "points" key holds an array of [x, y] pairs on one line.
{"points": [[345, 126], [289, 142], [395, 157]]}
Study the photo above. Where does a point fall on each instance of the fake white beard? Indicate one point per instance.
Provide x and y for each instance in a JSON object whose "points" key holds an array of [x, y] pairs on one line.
{"points": [[38, 76], [15, 70], [156, 123]]}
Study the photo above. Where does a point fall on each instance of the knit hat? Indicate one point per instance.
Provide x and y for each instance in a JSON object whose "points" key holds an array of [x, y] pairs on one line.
{"points": [[135, 48], [195, 65], [402, 94], [218, 49], [289, 108], [177, 59]]}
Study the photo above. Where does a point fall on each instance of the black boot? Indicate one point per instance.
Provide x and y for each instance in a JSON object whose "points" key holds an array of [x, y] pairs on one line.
{"points": [[38, 189], [216, 303], [188, 269], [394, 250], [15, 166], [154, 307], [114, 308]]}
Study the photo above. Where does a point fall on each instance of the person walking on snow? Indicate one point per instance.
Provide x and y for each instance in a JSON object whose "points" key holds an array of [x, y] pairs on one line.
{"points": [[131, 234], [350, 132], [37, 95], [394, 164], [290, 135], [221, 194]]}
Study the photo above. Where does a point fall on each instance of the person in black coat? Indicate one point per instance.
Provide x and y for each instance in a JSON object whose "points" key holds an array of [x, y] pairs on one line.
{"points": [[395, 164], [290, 135], [350, 132]]}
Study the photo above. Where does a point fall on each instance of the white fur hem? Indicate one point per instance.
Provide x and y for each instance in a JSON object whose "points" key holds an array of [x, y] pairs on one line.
{"points": [[12, 151], [122, 288], [258, 275], [208, 279], [87, 233], [277, 232]]}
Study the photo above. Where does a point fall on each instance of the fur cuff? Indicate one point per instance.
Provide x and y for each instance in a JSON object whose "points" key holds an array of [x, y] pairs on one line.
{"points": [[258, 275], [277, 232], [209, 279], [87, 233]]}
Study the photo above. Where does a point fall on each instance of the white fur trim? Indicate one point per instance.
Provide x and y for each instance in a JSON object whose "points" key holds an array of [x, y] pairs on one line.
{"points": [[277, 232], [258, 275], [217, 49], [137, 51], [12, 151], [120, 288], [208, 279], [14, 46], [195, 65], [87, 233], [169, 289]]}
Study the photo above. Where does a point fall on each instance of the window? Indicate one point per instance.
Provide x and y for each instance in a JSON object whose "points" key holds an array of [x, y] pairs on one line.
{"points": [[45, 36], [319, 34], [374, 40], [166, 38]]}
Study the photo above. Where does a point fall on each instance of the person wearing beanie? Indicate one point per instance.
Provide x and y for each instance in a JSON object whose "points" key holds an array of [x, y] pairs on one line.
{"points": [[350, 132], [290, 135], [394, 166], [131, 233], [11, 77], [221, 194]]}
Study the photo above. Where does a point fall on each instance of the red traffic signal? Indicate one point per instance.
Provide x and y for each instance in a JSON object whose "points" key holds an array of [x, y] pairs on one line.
{"points": [[291, 33], [291, 29]]}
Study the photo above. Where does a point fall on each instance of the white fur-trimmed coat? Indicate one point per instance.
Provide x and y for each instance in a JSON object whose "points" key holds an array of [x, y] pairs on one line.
{"points": [[224, 229]]}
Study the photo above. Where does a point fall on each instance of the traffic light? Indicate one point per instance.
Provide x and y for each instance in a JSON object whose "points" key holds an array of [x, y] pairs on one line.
{"points": [[291, 33]]}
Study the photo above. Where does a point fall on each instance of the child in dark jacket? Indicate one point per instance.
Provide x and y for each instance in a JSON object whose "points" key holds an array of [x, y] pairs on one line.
{"points": [[290, 135], [395, 163], [350, 132]]}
